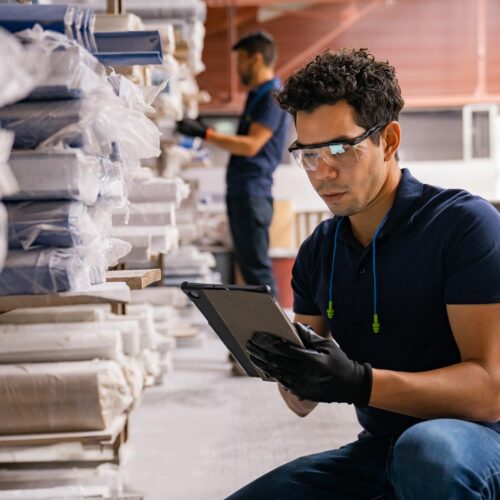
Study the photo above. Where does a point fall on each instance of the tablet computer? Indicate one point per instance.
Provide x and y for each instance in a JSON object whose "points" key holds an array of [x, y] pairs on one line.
{"points": [[237, 312]]}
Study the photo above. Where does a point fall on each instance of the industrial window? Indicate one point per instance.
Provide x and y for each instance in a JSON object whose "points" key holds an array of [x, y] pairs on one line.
{"points": [[481, 134], [431, 135]]}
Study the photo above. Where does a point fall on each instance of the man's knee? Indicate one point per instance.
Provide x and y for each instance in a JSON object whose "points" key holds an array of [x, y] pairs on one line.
{"points": [[431, 453]]}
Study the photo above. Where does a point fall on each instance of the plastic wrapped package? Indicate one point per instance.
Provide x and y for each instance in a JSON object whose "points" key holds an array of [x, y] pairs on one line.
{"points": [[27, 344], [145, 214], [21, 67], [61, 397], [128, 328], [158, 190], [8, 183], [58, 175], [93, 123], [3, 234], [144, 315], [153, 239], [59, 314], [72, 70], [61, 492], [50, 223], [42, 271], [35, 122], [135, 376], [106, 475], [161, 296], [113, 189]]}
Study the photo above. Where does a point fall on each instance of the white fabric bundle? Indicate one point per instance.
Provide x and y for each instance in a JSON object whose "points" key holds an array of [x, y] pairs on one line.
{"points": [[27, 344], [61, 397], [60, 314], [159, 190], [145, 214], [128, 328]]}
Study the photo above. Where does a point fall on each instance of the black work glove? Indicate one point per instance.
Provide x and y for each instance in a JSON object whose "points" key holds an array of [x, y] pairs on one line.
{"points": [[192, 128], [319, 371]]}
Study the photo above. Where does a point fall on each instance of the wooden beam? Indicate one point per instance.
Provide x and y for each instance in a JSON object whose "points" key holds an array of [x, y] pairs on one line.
{"points": [[135, 279], [344, 25]]}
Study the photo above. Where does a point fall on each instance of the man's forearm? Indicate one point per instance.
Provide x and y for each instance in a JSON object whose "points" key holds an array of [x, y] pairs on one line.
{"points": [[466, 390], [300, 408], [240, 145]]}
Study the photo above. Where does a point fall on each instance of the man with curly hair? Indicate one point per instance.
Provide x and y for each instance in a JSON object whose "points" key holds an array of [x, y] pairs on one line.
{"points": [[400, 292]]}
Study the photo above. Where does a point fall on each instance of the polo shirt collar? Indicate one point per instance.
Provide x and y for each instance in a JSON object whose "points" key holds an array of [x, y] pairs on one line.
{"points": [[403, 211], [406, 204]]}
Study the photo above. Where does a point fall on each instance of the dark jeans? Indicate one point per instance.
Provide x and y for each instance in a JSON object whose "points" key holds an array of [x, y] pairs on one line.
{"points": [[443, 459], [249, 220]]}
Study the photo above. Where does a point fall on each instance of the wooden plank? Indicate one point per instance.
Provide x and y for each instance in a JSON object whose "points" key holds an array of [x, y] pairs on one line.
{"points": [[135, 279], [104, 293], [105, 437]]}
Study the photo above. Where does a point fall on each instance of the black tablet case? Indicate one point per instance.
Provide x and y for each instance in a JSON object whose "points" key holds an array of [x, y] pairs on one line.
{"points": [[237, 312]]}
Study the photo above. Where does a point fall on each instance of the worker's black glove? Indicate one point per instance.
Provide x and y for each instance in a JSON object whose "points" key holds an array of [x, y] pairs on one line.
{"points": [[319, 371], [192, 128]]}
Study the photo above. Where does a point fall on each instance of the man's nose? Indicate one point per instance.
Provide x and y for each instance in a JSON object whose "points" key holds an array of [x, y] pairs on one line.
{"points": [[324, 171]]}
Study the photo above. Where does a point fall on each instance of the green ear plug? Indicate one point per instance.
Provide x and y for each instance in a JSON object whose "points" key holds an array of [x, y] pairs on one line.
{"points": [[375, 324], [330, 311]]}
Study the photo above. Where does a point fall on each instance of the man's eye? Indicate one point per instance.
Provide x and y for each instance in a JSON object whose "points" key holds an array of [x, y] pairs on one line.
{"points": [[310, 156]]}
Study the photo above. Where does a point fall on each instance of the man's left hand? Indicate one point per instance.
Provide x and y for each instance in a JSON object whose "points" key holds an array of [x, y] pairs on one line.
{"points": [[320, 371]]}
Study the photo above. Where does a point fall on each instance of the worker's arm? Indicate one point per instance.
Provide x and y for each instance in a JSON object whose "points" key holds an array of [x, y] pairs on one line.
{"points": [[468, 390], [241, 145], [302, 408]]}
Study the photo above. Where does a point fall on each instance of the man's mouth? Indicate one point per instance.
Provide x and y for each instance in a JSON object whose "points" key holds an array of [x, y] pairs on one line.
{"points": [[332, 196]]}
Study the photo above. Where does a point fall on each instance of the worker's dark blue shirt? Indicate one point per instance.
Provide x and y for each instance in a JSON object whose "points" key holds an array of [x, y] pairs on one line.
{"points": [[437, 247], [252, 175]]}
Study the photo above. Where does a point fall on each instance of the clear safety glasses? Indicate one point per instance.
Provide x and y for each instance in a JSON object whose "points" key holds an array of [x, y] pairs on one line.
{"points": [[338, 154]]}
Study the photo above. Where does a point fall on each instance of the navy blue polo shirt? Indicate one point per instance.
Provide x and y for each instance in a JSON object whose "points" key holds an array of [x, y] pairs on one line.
{"points": [[252, 175], [437, 247]]}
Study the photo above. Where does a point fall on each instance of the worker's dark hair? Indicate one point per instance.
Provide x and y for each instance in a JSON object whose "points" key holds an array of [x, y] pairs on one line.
{"points": [[369, 86], [261, 42]]}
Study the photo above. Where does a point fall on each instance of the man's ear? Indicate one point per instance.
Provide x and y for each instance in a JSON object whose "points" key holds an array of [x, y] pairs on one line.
{"points": [[391, 139]]}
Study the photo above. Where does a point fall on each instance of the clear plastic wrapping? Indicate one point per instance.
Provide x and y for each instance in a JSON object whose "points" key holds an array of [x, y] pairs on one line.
{"points": [[158, 190], [67, 174], [94, 124], [46, 270], [50, 223], [61, 397], [8, 183], [72, 70], [3, 234], [21, 69], [145, 214]]}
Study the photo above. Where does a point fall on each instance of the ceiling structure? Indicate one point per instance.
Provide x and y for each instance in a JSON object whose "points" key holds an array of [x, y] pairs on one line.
{"points": [[444, 51]]}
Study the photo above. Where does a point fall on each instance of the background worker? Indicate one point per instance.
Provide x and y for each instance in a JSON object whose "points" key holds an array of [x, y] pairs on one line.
{"points": [[256, 151]]}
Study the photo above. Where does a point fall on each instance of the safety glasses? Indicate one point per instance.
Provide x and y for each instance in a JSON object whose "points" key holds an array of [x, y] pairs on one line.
{"points": [[338, 154]]}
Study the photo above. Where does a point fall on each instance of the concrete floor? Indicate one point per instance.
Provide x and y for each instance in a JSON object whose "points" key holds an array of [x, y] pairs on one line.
{"points": [[204, 433]]}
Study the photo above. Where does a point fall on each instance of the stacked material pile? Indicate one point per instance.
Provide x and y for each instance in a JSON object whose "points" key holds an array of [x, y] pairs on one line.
{"points": [[78, 138], [176, 317], [189, 264], [149, 222], [73, 368], [76, 144]]}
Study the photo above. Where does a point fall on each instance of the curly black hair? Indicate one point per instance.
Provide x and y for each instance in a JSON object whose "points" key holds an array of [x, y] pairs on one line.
{"points": [[368, 85]]}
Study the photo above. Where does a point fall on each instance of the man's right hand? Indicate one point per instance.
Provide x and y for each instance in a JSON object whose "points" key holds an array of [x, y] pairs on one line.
{"points": [[192, 128]]}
